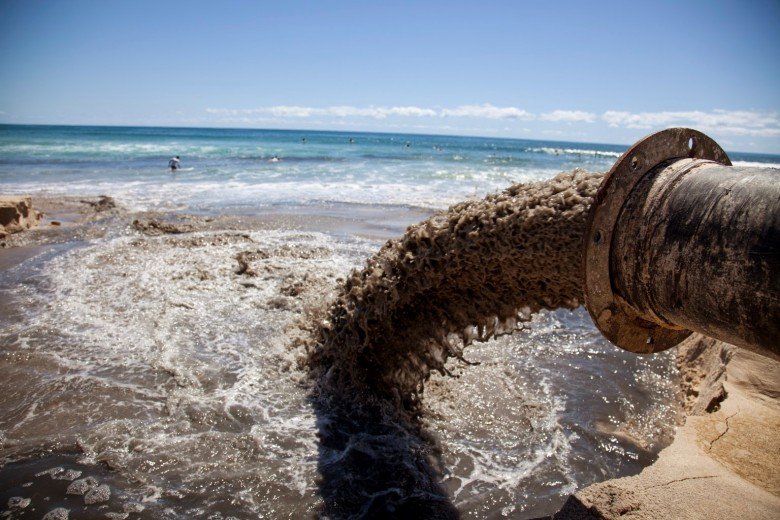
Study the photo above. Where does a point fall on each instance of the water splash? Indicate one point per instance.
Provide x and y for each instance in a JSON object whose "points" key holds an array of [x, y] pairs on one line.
{"points": [[471, 273], [474, 272]]}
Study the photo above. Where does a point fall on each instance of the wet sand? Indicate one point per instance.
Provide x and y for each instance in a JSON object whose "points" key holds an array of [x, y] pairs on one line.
{"points": [[723, 462]]}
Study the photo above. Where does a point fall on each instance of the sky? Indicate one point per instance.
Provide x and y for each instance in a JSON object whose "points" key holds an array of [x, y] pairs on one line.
{"points": [[584, 71]]}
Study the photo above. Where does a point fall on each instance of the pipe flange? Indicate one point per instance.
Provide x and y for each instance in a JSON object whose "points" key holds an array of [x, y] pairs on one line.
{"points": [[622, 324]]}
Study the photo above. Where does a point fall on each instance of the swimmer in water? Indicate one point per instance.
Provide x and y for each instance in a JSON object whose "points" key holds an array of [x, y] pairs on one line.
{"points": [[275, 158], [174, 164]]}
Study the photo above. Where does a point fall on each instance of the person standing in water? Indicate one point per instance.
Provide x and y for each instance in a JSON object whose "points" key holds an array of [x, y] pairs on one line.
{"points": [[174, 163]]}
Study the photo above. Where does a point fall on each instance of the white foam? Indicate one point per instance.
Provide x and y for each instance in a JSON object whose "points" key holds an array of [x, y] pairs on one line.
{"points": [[106, 148], [756, 164], [156, 360], [427, 184], [506, 424], [575, 151]]}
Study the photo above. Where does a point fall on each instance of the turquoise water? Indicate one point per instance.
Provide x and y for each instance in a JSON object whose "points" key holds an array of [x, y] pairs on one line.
{"points": [[228, 168]]}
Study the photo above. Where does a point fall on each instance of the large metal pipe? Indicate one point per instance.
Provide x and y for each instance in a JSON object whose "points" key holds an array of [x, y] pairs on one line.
{"points": [[678, 241]]}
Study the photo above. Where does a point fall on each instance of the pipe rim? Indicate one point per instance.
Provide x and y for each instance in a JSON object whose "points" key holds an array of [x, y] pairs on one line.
{"points": [[620, 323]]}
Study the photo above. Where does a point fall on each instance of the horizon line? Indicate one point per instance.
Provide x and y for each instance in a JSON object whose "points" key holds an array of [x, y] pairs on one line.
{"points": [[173, 127]]}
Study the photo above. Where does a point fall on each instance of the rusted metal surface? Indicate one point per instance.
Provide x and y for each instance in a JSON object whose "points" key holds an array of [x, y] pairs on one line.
{"points": [[680, 241]]}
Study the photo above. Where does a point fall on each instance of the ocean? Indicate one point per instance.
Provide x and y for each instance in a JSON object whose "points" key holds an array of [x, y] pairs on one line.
{"points": [[230, 169], [165, 366]]}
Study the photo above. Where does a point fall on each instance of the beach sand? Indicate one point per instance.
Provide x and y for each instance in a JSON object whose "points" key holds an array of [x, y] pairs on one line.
{"points": [[723, 462]]}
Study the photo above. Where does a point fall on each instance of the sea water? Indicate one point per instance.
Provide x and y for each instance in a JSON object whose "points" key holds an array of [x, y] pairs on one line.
{"points": [[229, 169], [155, 366], [232, 168]]}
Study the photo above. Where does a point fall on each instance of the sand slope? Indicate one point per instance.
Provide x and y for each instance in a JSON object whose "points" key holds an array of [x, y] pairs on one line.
{"points": [[723, 462]]}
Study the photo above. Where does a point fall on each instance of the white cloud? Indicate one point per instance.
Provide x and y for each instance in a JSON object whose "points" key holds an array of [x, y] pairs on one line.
{"points": [[413, 111], [569, 116], [718, 122], [484, 111], [375, 112], [734, 122], [287, 111], [487, 111]]}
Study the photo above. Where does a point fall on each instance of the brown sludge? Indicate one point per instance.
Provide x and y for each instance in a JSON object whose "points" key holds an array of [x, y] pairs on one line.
{"points": [[470, 273], [156, 228]]}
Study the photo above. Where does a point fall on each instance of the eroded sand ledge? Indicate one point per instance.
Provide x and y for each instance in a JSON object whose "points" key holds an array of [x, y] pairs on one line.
{"points": [[17, 214], [723, 463]]}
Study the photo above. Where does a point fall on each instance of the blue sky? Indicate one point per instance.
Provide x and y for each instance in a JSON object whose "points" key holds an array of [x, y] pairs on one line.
{"points": [[581, 71]]}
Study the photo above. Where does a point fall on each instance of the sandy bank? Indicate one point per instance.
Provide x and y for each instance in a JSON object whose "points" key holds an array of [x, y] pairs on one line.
{"points": [[17, 214], [723, 462]]}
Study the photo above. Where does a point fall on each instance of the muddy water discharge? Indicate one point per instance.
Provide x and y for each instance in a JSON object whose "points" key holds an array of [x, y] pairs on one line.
{"points": [[477, 271], [177, 371], [471, 273]]}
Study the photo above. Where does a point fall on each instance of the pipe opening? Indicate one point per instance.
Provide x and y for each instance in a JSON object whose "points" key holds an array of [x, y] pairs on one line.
{"points": [[683, 230]]}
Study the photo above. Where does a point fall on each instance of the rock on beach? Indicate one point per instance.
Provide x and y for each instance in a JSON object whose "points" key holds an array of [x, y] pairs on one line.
{"points": [[17, 214]]}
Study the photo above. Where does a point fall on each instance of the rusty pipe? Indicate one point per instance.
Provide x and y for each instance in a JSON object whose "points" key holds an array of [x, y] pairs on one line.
{"points": [[679, 241]]}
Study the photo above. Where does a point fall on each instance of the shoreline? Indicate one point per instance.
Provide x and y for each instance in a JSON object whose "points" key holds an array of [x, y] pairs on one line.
{"points": [[369, 221]]}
